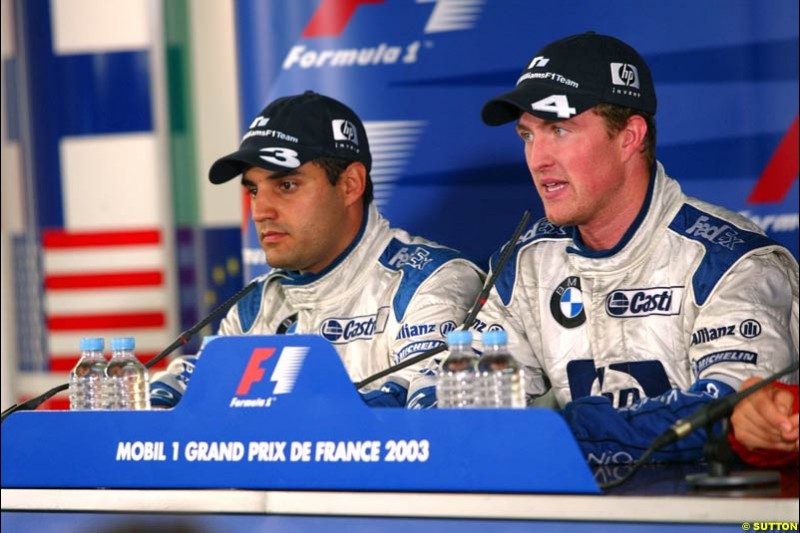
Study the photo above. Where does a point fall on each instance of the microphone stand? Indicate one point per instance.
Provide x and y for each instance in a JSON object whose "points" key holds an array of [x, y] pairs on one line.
{"points": [[471, 315], [720, 456], [706, 416], [183, 338], [718, 450]]}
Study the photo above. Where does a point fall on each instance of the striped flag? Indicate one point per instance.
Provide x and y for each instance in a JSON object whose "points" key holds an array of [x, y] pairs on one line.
{"points": [[101, 284], [104, 284]]}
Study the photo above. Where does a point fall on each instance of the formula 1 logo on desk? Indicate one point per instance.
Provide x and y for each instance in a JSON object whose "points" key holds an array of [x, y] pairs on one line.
{"points": [[254, 391]]}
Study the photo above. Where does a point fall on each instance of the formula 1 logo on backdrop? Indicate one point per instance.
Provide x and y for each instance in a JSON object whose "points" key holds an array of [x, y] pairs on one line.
{"points": [[333, 16], [774, 184], [253, 392]]}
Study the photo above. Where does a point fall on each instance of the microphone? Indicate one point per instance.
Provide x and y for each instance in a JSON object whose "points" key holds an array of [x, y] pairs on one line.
{"points": [[182, 339], [480, 301], [715, 410]]}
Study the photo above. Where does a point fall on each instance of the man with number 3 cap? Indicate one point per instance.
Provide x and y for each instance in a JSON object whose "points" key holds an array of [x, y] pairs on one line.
{"points": [[376, 293]]}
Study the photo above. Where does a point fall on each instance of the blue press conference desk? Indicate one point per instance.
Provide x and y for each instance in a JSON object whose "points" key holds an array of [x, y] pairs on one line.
{"points": [[272, 435]]}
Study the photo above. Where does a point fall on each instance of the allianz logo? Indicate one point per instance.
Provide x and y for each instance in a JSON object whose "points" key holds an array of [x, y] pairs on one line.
{"points": [[723, 235], [704, 335], [344, 330], [644, 302], [415, 330], [749, 329]]}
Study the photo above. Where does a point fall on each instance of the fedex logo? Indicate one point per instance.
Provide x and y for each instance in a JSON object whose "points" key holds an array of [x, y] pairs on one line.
{"points": [[283, 377], [722, 235], [416, 259]]}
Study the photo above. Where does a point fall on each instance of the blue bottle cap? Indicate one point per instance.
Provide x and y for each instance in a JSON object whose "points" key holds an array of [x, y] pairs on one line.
{"points": [[92, 344], [495, 337], [458, 336], [122, 343]]}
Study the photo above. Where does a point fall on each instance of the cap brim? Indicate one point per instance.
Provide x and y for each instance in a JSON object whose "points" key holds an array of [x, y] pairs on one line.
{"points": [[228, 167], [509, 106], [502, 109]]}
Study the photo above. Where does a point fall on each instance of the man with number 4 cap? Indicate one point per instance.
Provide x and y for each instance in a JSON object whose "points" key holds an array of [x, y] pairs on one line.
{"points": [[630, 304], [376, 293]]}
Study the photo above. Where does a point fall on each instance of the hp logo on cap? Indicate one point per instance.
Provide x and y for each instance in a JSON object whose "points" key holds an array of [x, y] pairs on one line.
{"points": [[624, 74], [344, 130]]}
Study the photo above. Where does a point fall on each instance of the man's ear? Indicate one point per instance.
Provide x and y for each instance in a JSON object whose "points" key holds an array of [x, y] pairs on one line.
{"points": [[633, 136], [352, 182]]}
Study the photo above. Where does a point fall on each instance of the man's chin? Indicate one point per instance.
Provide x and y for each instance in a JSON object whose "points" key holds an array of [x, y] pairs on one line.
{"points": [[280, 262], [558, 220]]}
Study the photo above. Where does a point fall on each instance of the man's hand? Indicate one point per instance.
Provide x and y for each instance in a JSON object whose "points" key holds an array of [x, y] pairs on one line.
{"points": [[764, 419]]}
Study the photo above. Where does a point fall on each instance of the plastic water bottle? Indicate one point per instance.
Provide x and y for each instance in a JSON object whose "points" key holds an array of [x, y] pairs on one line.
{"points": [[87, 379], [128, 383], [499, 375], [455, 386]]}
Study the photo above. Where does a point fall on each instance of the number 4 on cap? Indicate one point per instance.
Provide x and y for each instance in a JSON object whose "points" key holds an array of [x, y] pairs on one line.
{"points": [[556, 103]]}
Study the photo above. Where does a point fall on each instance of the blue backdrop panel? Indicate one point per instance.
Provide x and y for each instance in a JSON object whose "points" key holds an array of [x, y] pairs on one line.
{"points": [[281, 413], [726, 75], [72, 94]]}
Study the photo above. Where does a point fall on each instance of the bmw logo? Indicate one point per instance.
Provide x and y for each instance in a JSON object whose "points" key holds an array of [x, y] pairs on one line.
{"points": [[571, 302], [566, 303]]}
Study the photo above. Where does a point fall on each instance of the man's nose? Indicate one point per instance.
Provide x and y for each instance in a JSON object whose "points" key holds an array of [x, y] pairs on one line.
{"points": [[262, 206], [538, 154]]}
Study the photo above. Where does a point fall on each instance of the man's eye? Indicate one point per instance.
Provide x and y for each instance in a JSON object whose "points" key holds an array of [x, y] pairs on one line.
{"points": [[252, 191], [560, 132], [287, 185], [526, 136]]}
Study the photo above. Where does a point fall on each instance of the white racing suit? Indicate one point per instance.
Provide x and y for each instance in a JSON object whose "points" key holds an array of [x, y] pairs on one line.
{"points": [[387, 297], [692, 301]]}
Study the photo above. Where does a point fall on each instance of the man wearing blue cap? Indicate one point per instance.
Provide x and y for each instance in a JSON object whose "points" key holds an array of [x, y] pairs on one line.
{"points": [[376, 293], [630, 303]]}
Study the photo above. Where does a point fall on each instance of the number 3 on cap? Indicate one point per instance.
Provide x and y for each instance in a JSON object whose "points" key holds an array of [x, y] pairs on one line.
{"points": [[284, 157], [556, 103]]}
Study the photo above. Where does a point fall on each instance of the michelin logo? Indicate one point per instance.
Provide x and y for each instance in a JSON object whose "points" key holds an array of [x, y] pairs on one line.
{"points": [[728, 356], [645, 302], [415, 347], [344, 330]]}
